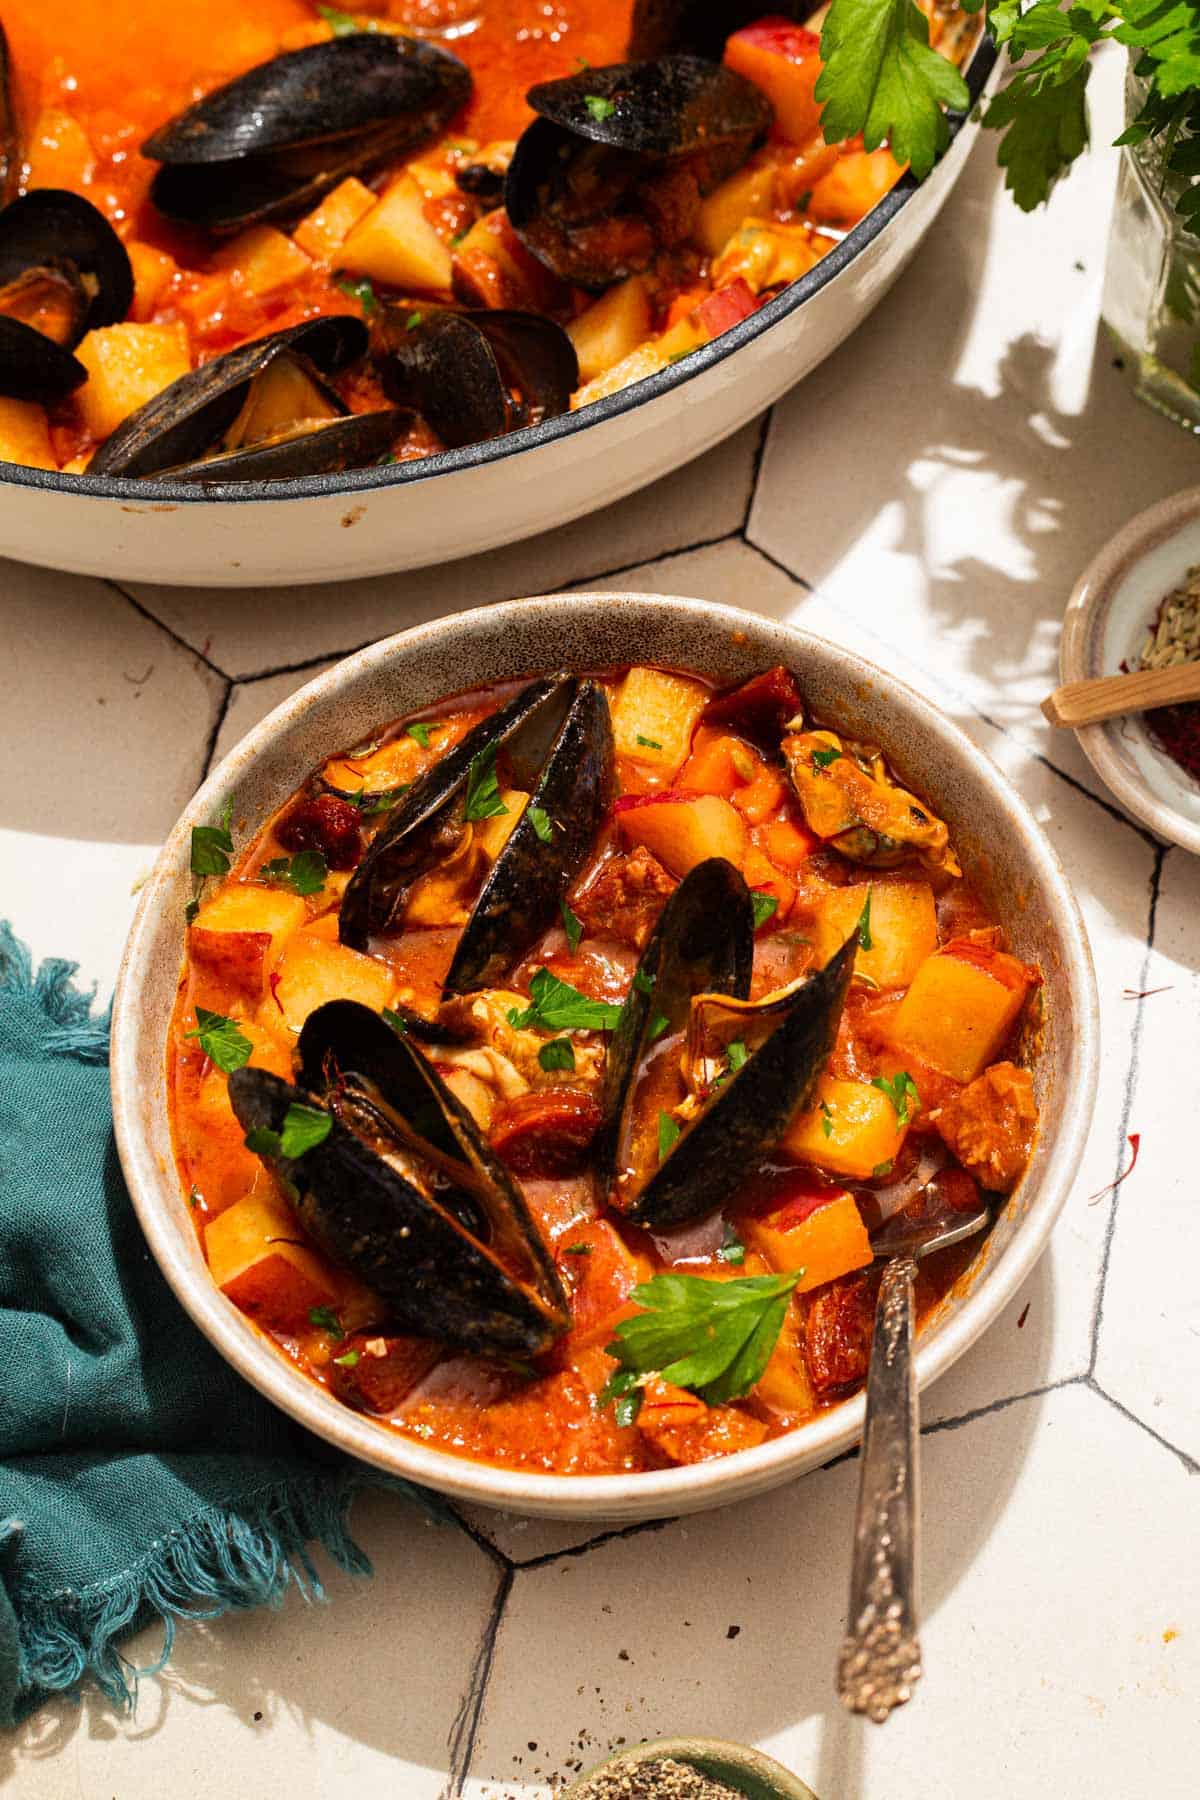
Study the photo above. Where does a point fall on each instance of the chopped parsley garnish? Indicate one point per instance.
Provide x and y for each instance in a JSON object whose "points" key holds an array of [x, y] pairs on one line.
{"points": [[413, 320], [421, 733], [349, 1360], [765, 907], [304, 873], [658, 1025], [668, 1135], [540, 821], [221, 1041], [732, 1249], [577, 1249], [900, 1090], [826, 1119], [642, 982], [212, 846], [737, 1055], [821, 759], [884, 1168], [865, 940], [648, 743], [623, 1391], [325, 1319], [304, 1127], [559, 1053], [357, 286], [343, 25], [190, 911], [572, 925], [712, 1337], [555, 1005], [381, 800], [599, 107], [483, 790], [397, 1021], [880, 77], [194, 1195]]}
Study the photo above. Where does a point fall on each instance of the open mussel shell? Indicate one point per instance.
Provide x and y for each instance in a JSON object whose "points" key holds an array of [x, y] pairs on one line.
{"points": [[314, 448], [193, 414], [404, 1191], [273, 141], [700, 27], [703, 944], [580, 190], [789, 1037], [10, 142], [529, 880], [427, 823], [474, 375], [63, 271]]}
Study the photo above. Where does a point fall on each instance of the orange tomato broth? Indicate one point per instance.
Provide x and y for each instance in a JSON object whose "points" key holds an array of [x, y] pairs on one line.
{"points": [[470, 1406]]}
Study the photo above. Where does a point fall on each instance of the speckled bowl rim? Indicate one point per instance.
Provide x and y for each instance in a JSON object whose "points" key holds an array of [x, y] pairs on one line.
{"points": [[1090, 597], [138, 1046]]}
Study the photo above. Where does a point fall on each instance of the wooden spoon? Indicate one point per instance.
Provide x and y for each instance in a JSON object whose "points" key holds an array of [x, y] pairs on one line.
{"points": [[1108, 696]]}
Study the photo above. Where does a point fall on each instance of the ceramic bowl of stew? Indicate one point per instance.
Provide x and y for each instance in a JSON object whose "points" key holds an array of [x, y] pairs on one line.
{"points": [[97, 486], [1009, 869]]}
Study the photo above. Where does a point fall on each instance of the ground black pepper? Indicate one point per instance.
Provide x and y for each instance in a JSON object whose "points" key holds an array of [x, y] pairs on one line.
{"points": [[663, 1779]]}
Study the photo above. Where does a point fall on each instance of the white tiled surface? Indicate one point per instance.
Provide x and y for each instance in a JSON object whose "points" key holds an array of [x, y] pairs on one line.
{"points": [[928, 496]]}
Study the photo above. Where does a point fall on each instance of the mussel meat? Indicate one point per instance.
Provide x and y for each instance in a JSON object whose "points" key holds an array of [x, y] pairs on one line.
{"points": [[270, 143], [263, 412], [403, 1190], [556, 738], [619, 159], [852, 803], [63, 271], [474, 375], [735, 1109]]}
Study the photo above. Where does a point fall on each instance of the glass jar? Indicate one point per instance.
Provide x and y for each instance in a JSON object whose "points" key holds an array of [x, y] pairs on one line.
{"points": [[1152, 280]]}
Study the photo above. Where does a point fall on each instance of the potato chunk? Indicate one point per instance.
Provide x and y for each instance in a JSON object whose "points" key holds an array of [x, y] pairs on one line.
{"points": [[747, 194], [825, 1240], [127, 365], [255, 1260], [396, 244], [239, 933], [264, 259], [852, 1129], [960, 1008], [25, 435], [312, 971], [685, 829], [654, 717], [324, 230], [903, 928], [611, 328]]}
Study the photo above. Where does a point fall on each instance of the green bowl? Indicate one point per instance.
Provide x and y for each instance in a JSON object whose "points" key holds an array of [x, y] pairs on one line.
{"points": [[747, 1771]]}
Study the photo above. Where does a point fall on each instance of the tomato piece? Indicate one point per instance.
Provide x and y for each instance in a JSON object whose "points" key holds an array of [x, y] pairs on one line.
{"points": [[783, 60], [326, 824], [760, 707], [726, 306], [384, 1371]]}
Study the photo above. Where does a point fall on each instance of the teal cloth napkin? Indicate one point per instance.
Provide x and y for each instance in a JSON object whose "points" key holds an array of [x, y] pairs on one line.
{"points": [[140, 1478]]}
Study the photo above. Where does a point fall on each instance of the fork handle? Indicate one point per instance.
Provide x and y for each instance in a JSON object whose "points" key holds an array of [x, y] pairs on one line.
{"points": [[880, 1658]]}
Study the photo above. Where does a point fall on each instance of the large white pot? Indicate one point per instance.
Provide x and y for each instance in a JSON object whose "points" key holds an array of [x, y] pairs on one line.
{"points": [[408, 515]]}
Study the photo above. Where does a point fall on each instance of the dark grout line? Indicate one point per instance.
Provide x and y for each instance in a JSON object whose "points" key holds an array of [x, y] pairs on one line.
{"points": [[999, 1406], [484, 1542], [299, 668], [648, 562], [769, 557], [1189, 1462], [166, 630], [465, 1729], [756, 466], [210, 745], [605, 1537], [1131, 1077]]}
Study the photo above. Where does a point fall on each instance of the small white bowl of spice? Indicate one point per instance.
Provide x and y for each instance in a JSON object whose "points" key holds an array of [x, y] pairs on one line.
{"points": [[1137, 606]]}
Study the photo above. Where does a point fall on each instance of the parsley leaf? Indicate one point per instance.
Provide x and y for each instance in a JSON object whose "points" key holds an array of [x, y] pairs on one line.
{"points": [[865, 940], [572, 925], [381, 801], [190, 911], [559, 1053], [599, 107], [900, 1090], [1045, 128], [669, 1130], [821, 759], [221, 1041], [623, 1392], [483, 790], [342, 24], [556, 1006], [326, 1319], [577, 1249], [212, 846], [765, 907], [420, 733], [737, 1055], [826, 1119], [396, 1020], [884, 1168], [648, 743], [357, 286], [642, 982], [541, 823], [304, 1127], [713, 1337], [349, 1361], [658, 1025], [732, 1249], [881, 78], [304, 873]]}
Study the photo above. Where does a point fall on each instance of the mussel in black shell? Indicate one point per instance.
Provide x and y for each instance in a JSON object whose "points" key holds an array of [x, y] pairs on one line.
{"points": [[556, 738], [63, 271], [263, 412], [617, 163], [695, 977], [403, 1190], [272, 142], [474, 375]]}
